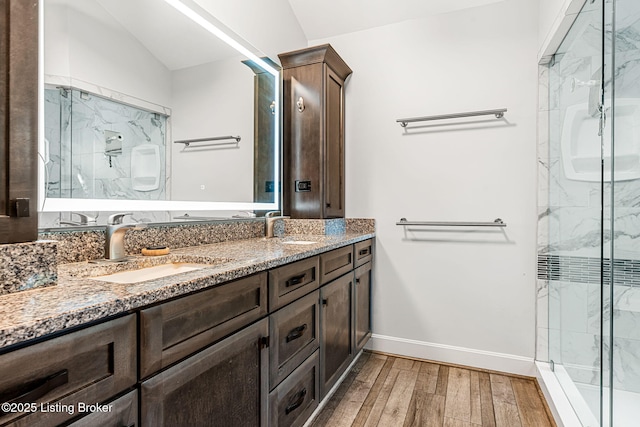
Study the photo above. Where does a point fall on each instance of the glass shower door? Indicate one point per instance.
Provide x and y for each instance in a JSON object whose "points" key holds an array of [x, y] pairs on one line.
{"points": [[578, 226], [622, 97]]}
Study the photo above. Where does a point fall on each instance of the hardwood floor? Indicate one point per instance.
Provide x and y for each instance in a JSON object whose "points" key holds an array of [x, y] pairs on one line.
{"points": [[389, 391]]}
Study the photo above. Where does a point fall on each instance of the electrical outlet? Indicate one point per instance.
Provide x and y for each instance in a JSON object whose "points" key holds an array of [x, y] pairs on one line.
{"points": [[202, 187]]}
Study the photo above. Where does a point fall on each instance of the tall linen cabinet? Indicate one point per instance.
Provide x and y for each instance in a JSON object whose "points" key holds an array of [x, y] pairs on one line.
{"points": [[313, 154]]}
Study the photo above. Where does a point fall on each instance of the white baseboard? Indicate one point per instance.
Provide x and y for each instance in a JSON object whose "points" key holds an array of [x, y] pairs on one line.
{"points": [[509, 363]]}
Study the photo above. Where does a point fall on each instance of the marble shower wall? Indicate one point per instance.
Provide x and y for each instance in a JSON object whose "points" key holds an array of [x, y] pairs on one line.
{"points": [[570, 300], [78, 166]]}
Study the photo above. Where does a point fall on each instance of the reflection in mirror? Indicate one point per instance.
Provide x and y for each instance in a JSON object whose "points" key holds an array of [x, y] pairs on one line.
{"points": [[154, 106]]}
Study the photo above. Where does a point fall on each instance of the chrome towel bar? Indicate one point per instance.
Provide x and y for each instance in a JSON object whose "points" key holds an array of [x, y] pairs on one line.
{"points": [[499, 113], [186, 142], [496, 223]]}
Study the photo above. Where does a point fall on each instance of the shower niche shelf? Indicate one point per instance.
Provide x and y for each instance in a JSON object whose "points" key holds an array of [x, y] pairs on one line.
{"points": [[581, 145]]}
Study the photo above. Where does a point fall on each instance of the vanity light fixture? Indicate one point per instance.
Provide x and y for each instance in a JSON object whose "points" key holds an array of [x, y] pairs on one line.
{"points": [[196, 13]]}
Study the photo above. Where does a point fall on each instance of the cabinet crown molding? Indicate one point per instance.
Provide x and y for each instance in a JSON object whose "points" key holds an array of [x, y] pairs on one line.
{"points": [[313, 55]]}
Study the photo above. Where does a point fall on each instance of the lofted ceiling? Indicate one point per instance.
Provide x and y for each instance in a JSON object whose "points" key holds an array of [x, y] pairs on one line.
{"points": [[178, 43], [327, 18]]}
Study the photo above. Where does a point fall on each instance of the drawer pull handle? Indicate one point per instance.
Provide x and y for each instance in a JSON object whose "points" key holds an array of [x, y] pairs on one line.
{"points": [[296, 333], [40, 388], [363, 252], [295, 280], [299, 399]]}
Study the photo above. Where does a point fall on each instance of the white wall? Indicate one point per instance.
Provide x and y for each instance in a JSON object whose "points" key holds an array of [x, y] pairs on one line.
{"points": [[99, 51], [210, 100], [439, 289]]}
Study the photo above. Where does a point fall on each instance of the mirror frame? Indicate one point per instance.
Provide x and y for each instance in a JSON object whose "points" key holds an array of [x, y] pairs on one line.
{"points": [[204, 19]]}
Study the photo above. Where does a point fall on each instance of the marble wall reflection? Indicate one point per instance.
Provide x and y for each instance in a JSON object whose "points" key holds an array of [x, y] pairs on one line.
{"points": [[78, 160]]}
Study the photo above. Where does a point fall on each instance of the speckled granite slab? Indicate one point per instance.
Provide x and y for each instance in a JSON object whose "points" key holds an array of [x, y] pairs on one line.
{"points": [[77, 299], [323, 226], [79, 245], [27, 266], [360, 225]]}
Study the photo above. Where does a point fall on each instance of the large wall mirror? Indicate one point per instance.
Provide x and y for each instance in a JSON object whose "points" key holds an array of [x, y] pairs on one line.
{"points": [[153, 105]]}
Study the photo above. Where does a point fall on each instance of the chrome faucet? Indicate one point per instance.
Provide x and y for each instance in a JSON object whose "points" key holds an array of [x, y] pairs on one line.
{"points": [[270, 218], [84, 220], [114, 241]]}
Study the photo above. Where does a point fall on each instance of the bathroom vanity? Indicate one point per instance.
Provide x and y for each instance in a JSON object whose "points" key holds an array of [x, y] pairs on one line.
{"points": [[258, 336]]}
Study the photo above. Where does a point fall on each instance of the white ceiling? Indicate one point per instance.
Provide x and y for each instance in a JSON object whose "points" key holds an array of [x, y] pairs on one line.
{"points": [[176, 42], [170, 36], [327, 18]]}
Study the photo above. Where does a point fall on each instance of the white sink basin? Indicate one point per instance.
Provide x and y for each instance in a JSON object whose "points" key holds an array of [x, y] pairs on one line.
{"points": [[150, 273], [299, 242]]}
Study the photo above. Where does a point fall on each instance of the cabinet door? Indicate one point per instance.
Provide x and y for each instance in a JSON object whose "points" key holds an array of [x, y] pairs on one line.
{"points": [[302, 136], [335, 332], [334, 146], [362, 306], [122, 412], [223, 385], [18, 121]]}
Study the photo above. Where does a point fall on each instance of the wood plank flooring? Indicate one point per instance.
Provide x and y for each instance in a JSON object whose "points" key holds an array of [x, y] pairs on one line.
{"points": [[389, 391]]}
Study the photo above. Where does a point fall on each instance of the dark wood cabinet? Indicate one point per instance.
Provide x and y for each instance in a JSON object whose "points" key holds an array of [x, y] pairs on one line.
{"points": [[291, 281], [217, 357], [87, 366], [363, 252], [18, 120], [295, 399], [294, 332], [362, 306], [335, 330], [335, 263], [224, 385], [313, 133], [174, 330], [122, 412]]}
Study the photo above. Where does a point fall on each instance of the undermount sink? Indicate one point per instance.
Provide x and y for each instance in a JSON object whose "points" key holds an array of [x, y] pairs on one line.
{"points": [[150, 273], [299, 242]]}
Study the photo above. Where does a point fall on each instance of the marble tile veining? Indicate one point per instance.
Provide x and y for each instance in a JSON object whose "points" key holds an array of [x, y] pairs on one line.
{"points": [[77, 299]]}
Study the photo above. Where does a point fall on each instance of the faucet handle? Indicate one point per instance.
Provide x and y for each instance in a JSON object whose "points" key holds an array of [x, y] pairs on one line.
{"points": [[117, 218], [272, 214], [84, 218]]}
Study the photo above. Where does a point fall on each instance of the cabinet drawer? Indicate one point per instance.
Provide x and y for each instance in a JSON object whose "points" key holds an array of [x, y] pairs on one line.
{"points": [[293, 336], [363, 252], [87, 366], [122, 412], [335, 263], [223, 385], [295, 399], [174, 330], [290, 282]]}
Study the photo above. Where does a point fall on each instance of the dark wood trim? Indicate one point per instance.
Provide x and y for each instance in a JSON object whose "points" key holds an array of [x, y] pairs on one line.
{"points": [[18, 119], [313, 55]]}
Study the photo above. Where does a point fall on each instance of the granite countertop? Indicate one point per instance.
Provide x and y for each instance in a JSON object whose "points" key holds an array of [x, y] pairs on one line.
{"points": [[77, 299]]}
